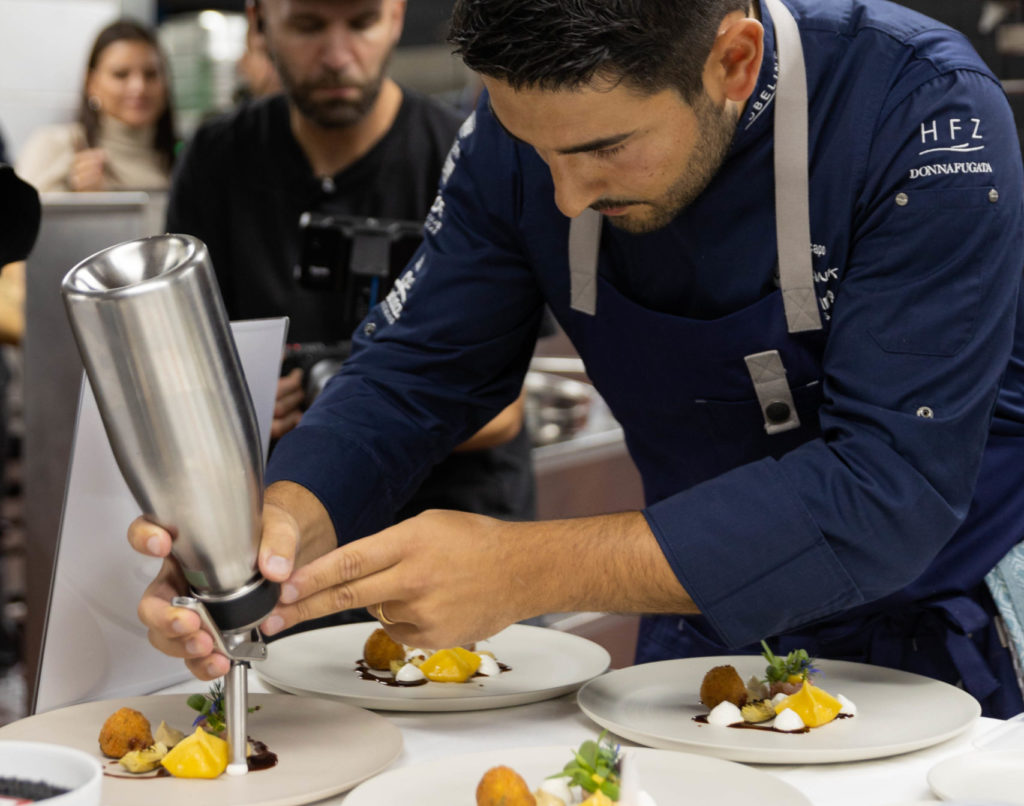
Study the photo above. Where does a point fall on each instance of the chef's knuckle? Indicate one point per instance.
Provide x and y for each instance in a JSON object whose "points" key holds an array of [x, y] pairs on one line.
{"points": [[350, 565], [341, 598]]}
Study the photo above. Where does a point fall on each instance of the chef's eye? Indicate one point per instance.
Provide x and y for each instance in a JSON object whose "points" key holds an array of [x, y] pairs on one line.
{"points": [[611, 151]]}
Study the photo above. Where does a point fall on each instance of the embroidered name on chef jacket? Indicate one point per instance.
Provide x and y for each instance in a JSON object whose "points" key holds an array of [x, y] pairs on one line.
{"points": [[951, 136]]}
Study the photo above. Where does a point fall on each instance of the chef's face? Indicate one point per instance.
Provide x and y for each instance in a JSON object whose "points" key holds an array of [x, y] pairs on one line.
{"points": [[331, 54], [128, 82], [638, 158]]}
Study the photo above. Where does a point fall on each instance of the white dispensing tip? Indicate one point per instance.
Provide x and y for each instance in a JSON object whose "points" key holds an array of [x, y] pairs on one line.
{"points": [[237, 769]]}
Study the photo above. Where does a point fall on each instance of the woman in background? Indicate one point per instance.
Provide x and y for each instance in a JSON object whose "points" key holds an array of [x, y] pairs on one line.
{"points": [[124, 137]]}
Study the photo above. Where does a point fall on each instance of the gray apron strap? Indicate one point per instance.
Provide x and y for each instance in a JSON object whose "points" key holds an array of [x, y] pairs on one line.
{"points": [[792, 223], [769, 377], [584, 244], [793, 230]]}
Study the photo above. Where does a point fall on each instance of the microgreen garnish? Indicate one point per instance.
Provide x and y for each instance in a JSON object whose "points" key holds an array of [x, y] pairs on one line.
{"points": [[596, 765], [211, 708], [796, 664]]}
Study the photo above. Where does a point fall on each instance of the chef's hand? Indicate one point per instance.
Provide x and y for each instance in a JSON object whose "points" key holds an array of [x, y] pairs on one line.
{"points": [[176, 631], [443, 578], [87, 170], [288, 403]]}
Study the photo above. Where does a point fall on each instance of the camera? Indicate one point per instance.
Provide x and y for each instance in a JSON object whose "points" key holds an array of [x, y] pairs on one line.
{"points": [[351, 261], [355, 258]]}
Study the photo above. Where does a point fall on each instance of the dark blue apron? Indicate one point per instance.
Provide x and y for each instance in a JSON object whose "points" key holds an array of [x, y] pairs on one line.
{"points": [[685, 391]]}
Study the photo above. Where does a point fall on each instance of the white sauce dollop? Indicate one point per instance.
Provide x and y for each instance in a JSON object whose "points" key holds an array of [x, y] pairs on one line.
{"points": [[409, 673], [488, 666], [778, 698], [848, 705], [559, 787], [789, 719], [725, 713]]}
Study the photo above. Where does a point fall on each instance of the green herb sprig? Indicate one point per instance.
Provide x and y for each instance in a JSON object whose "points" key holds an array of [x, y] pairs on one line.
{"points": [[796, 664], [211, 708], [596, 765]]}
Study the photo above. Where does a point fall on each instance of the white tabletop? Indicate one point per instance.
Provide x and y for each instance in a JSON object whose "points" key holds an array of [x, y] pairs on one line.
{"points": [[894, 781]]}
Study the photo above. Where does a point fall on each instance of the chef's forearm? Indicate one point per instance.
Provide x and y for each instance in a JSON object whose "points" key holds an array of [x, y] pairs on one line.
{"points": [[607, 563]]}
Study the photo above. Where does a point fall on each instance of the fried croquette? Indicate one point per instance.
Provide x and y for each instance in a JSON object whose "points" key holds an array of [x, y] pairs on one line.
{"points": [[503, 786], [380, 650], [720, 684], [125, 730]]}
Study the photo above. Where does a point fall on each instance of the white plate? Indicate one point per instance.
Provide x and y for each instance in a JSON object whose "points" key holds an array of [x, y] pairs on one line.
{"points": [[671, 778], [654, 704], [544, 664], [323, 748], [987, 776]]}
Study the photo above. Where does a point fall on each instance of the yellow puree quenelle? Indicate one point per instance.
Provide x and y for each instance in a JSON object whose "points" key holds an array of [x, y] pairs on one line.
{"points": [[201, 755], [813, 705]]}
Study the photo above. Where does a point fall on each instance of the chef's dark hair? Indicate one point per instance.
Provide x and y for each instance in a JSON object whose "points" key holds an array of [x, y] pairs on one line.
{"points": [[563, 44]]}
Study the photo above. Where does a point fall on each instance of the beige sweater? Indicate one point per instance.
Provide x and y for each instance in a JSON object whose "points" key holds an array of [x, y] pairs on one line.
{"points": [[131, 164]]}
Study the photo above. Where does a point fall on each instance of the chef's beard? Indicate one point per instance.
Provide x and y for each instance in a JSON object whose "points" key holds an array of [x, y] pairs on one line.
{"points": [[716, 128], [333, 113]]}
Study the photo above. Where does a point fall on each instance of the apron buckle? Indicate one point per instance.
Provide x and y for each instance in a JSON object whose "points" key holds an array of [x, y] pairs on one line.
{"points": [[773, 393]]}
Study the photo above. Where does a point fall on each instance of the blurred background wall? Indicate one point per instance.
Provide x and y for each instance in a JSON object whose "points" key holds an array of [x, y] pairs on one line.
{"points": [[44, 45]]}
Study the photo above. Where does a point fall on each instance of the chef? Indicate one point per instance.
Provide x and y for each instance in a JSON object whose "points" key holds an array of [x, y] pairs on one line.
{"points": [[786, 240]]}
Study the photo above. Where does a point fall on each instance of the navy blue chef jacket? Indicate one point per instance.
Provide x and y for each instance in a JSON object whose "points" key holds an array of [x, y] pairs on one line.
{"points": [[865, 533]]}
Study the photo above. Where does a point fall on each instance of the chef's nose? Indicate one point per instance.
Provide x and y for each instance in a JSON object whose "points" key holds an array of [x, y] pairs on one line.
{"points": [[575, 188]]}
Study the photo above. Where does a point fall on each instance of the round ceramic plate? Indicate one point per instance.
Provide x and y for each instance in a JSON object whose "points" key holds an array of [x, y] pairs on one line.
{"points": [[669, 777], [654, 704], [323, 748], [544, 664], [987, 776]]}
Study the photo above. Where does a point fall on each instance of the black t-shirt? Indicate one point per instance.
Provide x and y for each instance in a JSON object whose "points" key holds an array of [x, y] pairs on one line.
{"points": [[242, 186], [244, 182]]}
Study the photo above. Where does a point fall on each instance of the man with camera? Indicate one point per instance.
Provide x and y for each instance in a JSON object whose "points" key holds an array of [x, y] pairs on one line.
{"points": [[307, 199]]}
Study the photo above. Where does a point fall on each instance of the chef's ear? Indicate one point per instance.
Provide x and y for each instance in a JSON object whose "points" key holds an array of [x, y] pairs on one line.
{"points": [[734, 63]]}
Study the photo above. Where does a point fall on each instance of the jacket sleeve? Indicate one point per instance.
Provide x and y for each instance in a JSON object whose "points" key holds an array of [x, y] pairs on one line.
{"points": [[921, 332], [444, 351]]}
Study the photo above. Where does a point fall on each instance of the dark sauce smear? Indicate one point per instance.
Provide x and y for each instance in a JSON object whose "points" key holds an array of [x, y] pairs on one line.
{"points": [[262, 758], [747, 726], [366, 673]]}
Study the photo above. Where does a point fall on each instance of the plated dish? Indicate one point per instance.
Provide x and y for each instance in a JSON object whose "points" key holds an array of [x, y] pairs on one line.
{"points": [[543, 663], [655, 704], [669, 777], [323, 748]]}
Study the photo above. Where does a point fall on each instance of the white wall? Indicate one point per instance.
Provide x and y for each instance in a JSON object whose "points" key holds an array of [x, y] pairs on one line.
{"points": [[43, 48]]}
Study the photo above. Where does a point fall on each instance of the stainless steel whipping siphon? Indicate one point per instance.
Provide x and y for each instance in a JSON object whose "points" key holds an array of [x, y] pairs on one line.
{"points": [[155, 341]]}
